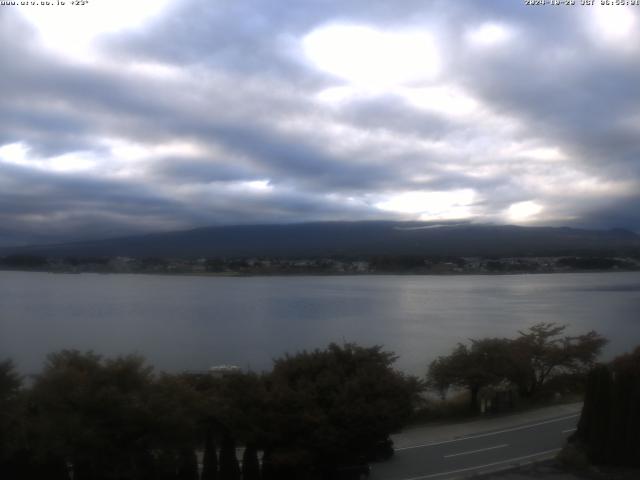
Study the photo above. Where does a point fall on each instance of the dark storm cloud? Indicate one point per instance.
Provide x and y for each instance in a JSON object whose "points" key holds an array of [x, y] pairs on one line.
{"points": [[294, 158], [54, 197], [620, 212], [199, 170], [86, 208], [239, 91], [388, 113], [75, 103]]}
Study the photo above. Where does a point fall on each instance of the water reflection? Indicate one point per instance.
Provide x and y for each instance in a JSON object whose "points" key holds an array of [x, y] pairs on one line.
{"points": [[195, 322]]}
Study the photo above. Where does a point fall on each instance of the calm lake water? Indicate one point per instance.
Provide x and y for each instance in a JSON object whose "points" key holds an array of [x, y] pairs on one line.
{"points": [[181, 322]]}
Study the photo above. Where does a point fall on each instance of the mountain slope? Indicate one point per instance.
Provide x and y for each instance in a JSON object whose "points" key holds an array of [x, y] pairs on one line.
{"points": [[352, 239]]}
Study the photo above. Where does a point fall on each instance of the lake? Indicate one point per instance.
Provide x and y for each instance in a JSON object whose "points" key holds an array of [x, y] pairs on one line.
{"points": [[183, 322]]}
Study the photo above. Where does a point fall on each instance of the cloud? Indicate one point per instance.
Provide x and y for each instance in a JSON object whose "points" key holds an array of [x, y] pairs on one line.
{"points": [[217, 112]]}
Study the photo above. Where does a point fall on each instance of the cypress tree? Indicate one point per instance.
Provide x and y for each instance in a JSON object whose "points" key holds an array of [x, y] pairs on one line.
{"points": [[268, 472], [26, 466], [54, 468], [250, 464], [210, 459], [187, 465], [617, 447], [609, 426], [166, 467], [82, 470], [18, 465], [145, 465], [229, 468], [583, 431], [624, 444], [634, 420], [599, 435]]}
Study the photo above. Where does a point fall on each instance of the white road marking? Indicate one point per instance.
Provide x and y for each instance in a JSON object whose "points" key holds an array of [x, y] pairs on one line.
{"points": [[475, 451], [569, 430], [523, 427], [517, 459]]}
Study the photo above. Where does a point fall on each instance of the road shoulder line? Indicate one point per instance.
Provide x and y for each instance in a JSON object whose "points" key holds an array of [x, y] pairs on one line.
{"points": [[516, 459], [476, 451], [488, 434]]}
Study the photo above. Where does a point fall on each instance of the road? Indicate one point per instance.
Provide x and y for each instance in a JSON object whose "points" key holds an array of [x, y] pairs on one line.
{"points": [[478, 452]]}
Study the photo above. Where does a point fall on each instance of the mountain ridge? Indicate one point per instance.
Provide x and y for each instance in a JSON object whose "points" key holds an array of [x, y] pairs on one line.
{"points": [[365, 238]]}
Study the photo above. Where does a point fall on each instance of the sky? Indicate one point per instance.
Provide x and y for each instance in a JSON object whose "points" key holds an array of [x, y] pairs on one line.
{"points": [[132, 116]]}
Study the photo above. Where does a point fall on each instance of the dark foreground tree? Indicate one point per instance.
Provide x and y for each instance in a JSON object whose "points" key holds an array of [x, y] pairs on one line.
{"points": [[484, 363], [113, 419], [240, 404], [229, 468], [543, 351], [528, 362], [318, 413], [10, 383], [166, 465], [609, 427], [187, 465], [268, 470], [595, 422], [18, 458], [93, 412], [333, 407], [210, 458], [250, 464]]}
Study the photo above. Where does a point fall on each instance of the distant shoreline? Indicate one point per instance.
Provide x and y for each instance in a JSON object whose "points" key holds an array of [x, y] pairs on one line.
{"points": [[323, 266], [318, 274]]}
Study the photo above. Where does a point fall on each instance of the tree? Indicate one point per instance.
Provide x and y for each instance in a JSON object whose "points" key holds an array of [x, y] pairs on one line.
{"points": [[483, 363], [18, 459], [334, 406], [10, 420], [541, 352], [187, 465], [10, 381], [238, 404], [229, 468], [528, 362], [23, 261], [268, 470], [625, 424], [176, 411], [609, 426], [210, 458], [112, 418], [594, 427], [250, 464], [233, 409], [166, 465], [94, 413]]}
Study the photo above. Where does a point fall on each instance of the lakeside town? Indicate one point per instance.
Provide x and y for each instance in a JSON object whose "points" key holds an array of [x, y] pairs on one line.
{"points": [[418, 265]]}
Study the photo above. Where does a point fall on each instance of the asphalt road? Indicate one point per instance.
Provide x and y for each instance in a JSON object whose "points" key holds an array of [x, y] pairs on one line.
{"points": [[477, 453]]}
